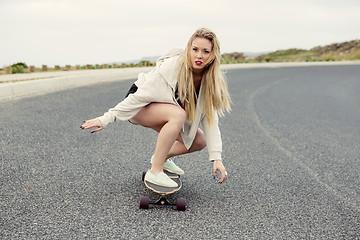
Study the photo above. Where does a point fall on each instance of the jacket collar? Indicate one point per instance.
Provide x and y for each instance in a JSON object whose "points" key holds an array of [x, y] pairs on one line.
{"points": [[169, 66]]}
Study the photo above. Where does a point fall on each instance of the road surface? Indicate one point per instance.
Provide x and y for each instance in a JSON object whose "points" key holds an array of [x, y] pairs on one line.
{"points": [[291, 147]]}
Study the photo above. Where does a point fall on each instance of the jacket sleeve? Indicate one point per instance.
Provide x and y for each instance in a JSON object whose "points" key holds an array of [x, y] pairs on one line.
{"points": [[213, 137], [152, 87], [125, 110], [131, 105]]}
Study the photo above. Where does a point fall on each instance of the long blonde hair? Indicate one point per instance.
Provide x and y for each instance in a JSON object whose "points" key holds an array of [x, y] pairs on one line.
{"points": [[214, 88]]}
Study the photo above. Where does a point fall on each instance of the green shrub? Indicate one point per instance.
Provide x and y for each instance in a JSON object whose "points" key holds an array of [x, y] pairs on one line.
{"points": [[330, 59], [19, 67]]}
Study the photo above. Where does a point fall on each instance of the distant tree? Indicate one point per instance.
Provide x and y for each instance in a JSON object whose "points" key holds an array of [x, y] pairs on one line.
{"points": [[20, 64], [19, 67]]}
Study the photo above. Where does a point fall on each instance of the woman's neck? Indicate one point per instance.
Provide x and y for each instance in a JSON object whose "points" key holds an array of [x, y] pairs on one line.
{"points": [[197, 73], [197, 77]]}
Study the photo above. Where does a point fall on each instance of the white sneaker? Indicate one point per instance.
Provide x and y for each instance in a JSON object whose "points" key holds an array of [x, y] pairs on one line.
{"points": [[160, 179], [170, 166]]}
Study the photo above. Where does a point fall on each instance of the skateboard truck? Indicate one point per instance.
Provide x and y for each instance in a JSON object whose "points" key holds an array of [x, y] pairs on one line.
{"points": [[145, 201], [162, 201], [180, 203]]}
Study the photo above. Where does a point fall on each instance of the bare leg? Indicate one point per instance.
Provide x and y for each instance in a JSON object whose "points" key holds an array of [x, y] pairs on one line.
{"points": [[179, 148], [168, 120]]}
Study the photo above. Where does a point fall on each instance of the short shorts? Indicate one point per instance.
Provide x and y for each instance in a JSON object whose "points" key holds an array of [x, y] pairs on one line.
{"points": [[132, 90]]}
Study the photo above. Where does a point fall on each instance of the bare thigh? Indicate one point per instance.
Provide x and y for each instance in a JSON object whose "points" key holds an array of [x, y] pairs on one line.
{"points": [[156, 115]]}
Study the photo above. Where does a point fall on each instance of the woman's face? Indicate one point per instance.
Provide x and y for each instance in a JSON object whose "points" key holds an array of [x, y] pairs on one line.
{"points": [[200, 52]]}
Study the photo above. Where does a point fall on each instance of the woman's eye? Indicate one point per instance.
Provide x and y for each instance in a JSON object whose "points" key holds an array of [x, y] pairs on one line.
{"points": [[206, 52], [195, 49]]}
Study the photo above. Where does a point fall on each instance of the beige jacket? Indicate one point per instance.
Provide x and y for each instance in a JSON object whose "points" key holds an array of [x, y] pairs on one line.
{"points": [[159, 86]]}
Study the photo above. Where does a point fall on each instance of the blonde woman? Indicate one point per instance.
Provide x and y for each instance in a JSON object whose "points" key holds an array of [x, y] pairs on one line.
{"points": [[184, 90]]}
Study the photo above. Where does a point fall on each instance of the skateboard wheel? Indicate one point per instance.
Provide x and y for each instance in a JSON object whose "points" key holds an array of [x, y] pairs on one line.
{"points": [[143, 176], [144, 202], [181, 204]]}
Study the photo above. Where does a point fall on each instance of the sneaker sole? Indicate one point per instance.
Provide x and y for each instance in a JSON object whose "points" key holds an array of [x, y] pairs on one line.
{"points": [[163, 190], [173, 172]]}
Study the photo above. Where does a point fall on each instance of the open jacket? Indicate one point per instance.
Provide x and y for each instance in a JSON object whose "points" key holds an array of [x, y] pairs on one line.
{"points": [[159, 85]]}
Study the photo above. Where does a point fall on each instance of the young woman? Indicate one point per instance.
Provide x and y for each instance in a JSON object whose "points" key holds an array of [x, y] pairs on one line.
{"points": [[184, 90]]}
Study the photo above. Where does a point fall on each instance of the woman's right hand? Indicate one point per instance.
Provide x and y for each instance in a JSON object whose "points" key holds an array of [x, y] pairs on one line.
{"points": [[92, 123]]}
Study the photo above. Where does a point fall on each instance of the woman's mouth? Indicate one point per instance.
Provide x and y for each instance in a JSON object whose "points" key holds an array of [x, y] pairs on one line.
{"points": [[198, 63]]}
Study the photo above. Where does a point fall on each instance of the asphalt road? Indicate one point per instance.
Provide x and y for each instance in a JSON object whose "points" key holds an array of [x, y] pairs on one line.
{"points": [[291, 147]]}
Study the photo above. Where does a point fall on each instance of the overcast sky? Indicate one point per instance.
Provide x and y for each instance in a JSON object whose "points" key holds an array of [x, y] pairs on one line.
{"points": [[59, 32]]}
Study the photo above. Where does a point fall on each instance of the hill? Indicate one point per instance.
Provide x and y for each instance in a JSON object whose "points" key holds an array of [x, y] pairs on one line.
{"points": [[333, 52]]}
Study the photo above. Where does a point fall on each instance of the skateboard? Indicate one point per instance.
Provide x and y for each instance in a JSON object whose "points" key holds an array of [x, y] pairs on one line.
{"points": [[180, 203]]}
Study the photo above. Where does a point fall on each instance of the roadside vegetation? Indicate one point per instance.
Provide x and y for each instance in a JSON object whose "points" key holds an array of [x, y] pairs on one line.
{"points": [[346, 51], [24, 68]]}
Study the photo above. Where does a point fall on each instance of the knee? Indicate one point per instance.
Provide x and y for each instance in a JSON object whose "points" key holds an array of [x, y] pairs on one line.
{"points": [[199, 141], [177, 115]]}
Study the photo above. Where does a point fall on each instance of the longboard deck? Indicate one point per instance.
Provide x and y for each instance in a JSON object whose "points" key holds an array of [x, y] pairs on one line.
{"points": [[165, 190]]}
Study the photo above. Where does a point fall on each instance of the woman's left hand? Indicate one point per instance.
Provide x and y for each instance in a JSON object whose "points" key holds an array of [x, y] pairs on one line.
{"points": [[219, 166]]}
